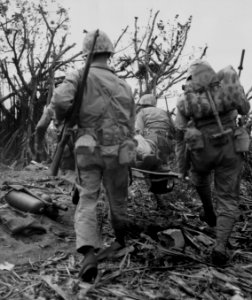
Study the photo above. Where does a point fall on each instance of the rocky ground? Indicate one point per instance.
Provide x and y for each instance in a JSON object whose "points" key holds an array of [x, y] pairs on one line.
{"points": [[167, 253]]}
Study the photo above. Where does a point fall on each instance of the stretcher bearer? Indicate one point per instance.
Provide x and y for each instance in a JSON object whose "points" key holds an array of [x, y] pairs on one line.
{"points": [[154, 127], [209, 142], [105, 133]]}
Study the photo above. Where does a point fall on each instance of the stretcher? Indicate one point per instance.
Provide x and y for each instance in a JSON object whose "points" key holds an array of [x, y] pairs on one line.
{"points": [[161, 182]]}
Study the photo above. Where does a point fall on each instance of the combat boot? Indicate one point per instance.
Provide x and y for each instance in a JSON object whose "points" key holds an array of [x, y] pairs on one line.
{"points": [[224, 228], [89, 264], [208, 215], [120, 236], [117, 245]]}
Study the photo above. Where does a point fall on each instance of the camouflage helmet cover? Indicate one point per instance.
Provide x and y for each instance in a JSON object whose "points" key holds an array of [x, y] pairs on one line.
{"points": [[103, 43], [201, 74], [148, 99]]}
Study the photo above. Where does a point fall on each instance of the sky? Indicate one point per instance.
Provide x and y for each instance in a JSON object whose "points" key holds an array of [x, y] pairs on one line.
{"points": [[223, 25]]}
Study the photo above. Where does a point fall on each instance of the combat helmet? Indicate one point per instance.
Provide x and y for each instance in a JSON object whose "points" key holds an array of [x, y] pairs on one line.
{"points": [[103, 43], [200, 74], [148, 99]]}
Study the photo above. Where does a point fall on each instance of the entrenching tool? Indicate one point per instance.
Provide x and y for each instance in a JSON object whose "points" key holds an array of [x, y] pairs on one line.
{"points": [[222, 132]]}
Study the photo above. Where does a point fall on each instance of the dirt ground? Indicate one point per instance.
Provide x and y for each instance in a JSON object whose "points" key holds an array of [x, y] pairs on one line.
{"points": [[58, 233], [154, 265]]}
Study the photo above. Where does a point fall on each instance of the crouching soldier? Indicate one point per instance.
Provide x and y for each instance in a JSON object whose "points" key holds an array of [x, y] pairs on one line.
{"points": [[154, 127], [209, 140]]}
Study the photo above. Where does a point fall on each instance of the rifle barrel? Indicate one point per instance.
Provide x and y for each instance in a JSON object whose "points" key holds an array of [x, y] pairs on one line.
{"points": [[241, 62], [71, 121], [57, 156]]}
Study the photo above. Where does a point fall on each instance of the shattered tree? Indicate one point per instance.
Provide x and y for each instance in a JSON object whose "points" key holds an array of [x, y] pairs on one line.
{"points": [[153, 58], [33, 47], [147, 268]]}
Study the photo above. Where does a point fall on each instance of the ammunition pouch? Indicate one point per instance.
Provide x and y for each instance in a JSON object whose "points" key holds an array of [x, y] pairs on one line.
{"points": [[241, 140], [109, 151], [85, 145], [109, 135]]}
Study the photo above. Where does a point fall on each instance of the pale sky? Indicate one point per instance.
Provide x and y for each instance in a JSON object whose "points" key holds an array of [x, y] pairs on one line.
{"points": [[223, 25]]}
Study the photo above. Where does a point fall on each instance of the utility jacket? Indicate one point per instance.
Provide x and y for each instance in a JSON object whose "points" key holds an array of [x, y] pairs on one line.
{"points": [[107, 103], [228, 119], [152, 118]]}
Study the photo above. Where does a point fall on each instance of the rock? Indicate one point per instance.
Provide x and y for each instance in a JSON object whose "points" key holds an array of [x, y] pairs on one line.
{"points": [[172, 238]]}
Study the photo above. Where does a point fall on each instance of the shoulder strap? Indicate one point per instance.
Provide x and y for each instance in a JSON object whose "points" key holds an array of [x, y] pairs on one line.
{"points": [[104, 91]]}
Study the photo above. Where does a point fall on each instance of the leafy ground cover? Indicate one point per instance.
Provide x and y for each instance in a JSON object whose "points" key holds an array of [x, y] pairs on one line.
{"points": [[167, 253]]}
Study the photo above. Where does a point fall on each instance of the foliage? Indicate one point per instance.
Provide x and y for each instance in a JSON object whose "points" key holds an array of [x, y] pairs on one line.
{"points": [[46, 266], [33, 38], [153, 57]]}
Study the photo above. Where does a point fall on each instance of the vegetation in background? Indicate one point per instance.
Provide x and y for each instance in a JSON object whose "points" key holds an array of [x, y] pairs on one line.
{"points": [[33, 47]]}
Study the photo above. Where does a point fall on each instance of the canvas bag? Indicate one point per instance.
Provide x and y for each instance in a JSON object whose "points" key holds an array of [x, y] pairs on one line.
{"points": [[228, 95]]}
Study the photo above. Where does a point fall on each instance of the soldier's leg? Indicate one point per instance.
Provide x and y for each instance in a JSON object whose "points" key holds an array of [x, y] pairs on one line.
{"points": [[202, 183], [227, 183], [89, 173], [86, 227], [85, 215], [115, 182]]}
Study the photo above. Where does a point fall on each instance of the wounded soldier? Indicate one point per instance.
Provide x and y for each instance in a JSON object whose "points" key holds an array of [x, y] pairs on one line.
{"points": [[154, 129]]}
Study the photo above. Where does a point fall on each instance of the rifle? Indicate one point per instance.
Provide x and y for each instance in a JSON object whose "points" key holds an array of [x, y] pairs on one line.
{"points": [[241, 119], [241, 62], [71, 120], [213, 107]]}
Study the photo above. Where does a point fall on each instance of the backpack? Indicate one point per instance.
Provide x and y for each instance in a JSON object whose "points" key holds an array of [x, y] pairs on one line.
{"points": [[226, 91]]}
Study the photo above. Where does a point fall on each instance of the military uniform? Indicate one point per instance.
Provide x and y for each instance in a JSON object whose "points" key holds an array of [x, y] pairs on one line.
{"points": [[67, 161], [40, 131], [105, 121], [201, 146], [155, 126]]}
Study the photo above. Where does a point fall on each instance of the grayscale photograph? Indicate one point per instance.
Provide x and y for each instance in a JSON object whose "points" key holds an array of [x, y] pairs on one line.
{"points": [[125, 150]]}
